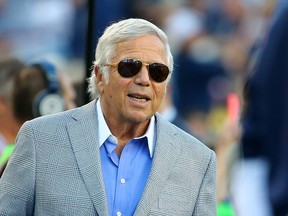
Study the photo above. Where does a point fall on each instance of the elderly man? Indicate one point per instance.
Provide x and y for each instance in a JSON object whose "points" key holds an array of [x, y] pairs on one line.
{"points": [[115, 155]]}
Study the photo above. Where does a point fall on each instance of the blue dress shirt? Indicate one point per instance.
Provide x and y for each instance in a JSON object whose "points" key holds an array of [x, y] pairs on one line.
{"points": [[125, 177]]}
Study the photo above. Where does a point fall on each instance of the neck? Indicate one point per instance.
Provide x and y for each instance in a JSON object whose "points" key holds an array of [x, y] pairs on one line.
{"points": [[126, 132], [9, 129]]}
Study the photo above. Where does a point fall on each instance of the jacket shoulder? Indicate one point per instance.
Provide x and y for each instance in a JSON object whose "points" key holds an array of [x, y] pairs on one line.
{"points": [[180, 137]]}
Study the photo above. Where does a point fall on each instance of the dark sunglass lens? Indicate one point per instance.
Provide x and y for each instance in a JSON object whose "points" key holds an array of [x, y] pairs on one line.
{"points": [[129, 67], [158, 72]]}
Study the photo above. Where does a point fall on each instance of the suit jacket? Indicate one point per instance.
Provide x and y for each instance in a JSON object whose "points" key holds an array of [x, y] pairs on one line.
{"points": [[56, 170]]}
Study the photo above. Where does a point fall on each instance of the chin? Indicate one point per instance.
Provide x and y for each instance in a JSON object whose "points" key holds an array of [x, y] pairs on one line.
{"points": [[139, 117]]}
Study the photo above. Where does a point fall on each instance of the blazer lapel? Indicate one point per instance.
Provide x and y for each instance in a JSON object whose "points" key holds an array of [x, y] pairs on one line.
{"points": [[83, 134], [165, 155]]}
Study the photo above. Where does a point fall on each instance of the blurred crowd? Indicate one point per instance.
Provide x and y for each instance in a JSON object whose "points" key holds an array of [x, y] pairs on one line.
{"points": [[36, 30], [214, 43]]}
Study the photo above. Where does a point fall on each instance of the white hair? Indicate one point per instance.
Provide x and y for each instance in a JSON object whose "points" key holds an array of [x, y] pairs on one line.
{"points": [[118, 32]]}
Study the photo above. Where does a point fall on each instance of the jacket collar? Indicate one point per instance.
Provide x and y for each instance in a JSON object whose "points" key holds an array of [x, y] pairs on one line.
{"points": [[84, 139]]}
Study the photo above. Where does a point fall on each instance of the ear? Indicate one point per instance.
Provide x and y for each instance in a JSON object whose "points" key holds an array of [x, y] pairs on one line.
{"points": [[100, 82]]}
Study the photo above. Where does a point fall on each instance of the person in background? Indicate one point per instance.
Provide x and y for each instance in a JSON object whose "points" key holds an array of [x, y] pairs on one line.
{"points": [[140, 164], [38, 89], [9, 126], [260, 185], [46, 89], [196, 84], [169, 112]]}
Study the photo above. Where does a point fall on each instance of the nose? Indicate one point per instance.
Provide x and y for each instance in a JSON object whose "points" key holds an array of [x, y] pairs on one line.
{"points": [[143, 78]]}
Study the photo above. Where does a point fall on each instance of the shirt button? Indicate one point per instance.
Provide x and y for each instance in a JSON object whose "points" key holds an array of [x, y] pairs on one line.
{"points": [[123, 181], [118, 213]]}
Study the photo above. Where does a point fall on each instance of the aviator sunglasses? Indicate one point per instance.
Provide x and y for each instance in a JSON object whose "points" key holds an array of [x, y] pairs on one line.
{"points": [[130, 67]]}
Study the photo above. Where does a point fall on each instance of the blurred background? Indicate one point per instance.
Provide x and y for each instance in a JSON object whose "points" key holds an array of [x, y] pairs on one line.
{"points": [[214, 44]]}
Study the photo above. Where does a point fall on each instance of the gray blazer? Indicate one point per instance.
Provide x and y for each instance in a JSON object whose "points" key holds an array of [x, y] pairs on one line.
{"points": [[56, 170]]}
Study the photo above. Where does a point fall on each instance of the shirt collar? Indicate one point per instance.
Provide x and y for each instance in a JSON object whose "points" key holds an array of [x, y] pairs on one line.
{"points": [[105, 133]]}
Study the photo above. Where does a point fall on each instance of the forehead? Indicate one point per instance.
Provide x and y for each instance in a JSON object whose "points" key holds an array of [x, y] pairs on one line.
{"points": [[147, 47]]}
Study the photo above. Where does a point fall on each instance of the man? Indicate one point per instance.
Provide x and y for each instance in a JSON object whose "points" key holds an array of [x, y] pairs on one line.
{"points": [[9, 126], [115, 155], [262, 170]]}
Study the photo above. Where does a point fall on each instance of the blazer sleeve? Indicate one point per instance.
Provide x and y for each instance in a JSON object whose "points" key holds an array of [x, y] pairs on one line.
{"points": [[206, 202], [18, 180]]}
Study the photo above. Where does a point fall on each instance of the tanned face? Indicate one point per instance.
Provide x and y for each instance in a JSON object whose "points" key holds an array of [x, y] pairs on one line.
{"points": [[133, 100]]}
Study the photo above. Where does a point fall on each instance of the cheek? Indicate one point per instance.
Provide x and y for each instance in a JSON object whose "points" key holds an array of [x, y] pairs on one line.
{"points": [[159, 93], [113, 89], [100, 86]]}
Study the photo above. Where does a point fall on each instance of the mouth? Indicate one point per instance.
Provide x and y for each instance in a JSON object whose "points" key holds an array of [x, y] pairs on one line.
{"points": [[138, 97]]}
